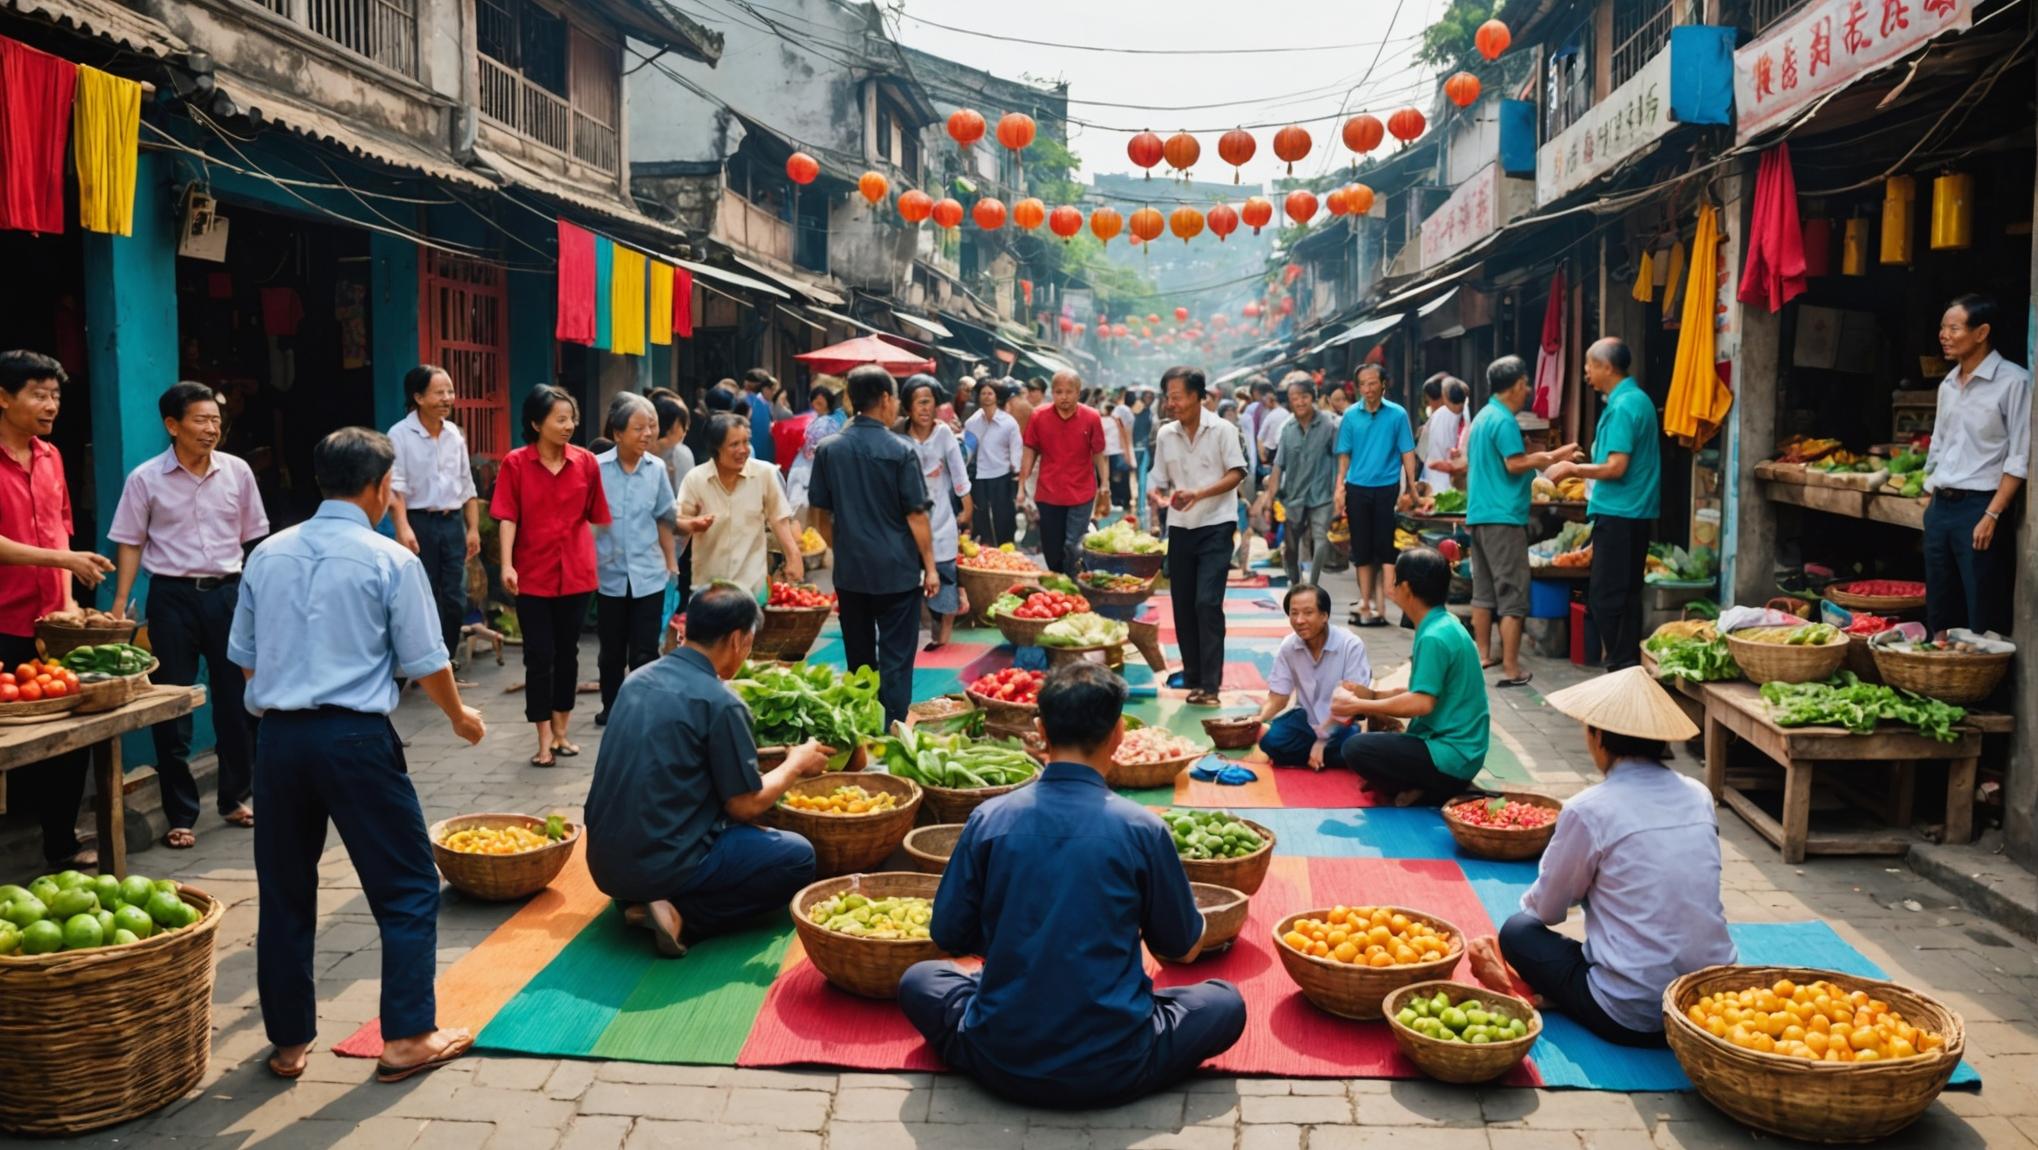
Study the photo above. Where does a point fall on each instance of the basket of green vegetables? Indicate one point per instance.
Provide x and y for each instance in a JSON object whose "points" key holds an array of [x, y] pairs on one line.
{"points": [[957, 773]]}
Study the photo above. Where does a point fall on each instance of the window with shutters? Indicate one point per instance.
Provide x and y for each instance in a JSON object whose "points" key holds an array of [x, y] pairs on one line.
{"points": [[466, 331], [551, 80]]}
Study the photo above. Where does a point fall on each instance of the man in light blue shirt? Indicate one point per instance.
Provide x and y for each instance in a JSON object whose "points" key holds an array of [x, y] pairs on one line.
{"points": [[755, 382], [1375, 463], [330, 613], [1627, 482], [1309, 667], [636, 553]]}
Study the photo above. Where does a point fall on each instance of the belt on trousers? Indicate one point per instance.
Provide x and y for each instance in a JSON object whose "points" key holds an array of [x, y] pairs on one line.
{"points": [[1956, 494], [198, 582], [432, 511], [327, 711]]}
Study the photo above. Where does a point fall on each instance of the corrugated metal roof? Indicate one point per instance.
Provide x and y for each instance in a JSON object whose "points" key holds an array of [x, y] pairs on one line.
{"points": [[105, 20], [266, 105]]}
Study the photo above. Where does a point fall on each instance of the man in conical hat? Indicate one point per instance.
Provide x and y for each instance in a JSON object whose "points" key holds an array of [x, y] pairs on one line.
{"points": [[1641, 851]]}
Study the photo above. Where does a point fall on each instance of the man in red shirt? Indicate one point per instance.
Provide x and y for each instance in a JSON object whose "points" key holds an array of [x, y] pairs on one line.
{"points": [[1066, 442], [36, 565]]}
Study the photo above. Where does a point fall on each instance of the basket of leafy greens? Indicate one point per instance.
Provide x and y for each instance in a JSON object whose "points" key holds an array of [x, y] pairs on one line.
{"points": [[789, 705], [1691, 649], [1845, 701]]}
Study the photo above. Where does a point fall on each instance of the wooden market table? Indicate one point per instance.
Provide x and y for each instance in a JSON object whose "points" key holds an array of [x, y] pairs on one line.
{"points": [[25, 744]]}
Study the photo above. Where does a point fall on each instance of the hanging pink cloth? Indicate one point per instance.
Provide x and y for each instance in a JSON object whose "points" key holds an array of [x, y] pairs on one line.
{"points": [[1549, 388], [36, 89], [1775, 271], [576, 285]]}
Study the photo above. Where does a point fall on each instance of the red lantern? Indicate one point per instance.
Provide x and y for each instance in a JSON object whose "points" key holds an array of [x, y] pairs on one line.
{"points": [[1258, 213], [1335, 201], [1181, 151], [1181, 313], [1120, 331], [1067, 325], [1147, 224], [965, 127], [873, 185], [1015, 130], [1145, 150], [1363, 133], [801, 168], [1406, 124], [1251, 310], [1291, 144], [989, 214], [1223, 221], [1029, 213], [1358, 199], [1186, 223], [1300, 206], [1288, 305], [1462, 89], [947, 213], [1235, 148], [1492, 39], [1104, 224], [1065, 222], [915, 206], [1146, 333], [1079, 331]]}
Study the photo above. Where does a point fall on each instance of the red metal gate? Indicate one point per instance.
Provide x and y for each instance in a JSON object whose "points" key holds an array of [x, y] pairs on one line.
{"points": [[466, 331]]}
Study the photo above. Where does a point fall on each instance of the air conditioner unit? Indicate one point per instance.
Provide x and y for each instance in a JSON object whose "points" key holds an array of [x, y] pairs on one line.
{"points": [[202, 231]]}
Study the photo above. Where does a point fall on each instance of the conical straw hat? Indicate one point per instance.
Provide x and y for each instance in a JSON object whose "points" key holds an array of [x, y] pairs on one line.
{"points": [[1628, 702]]}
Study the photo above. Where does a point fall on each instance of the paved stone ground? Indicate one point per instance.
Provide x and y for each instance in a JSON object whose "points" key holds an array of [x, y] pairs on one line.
{"points": [[1914, 929]]}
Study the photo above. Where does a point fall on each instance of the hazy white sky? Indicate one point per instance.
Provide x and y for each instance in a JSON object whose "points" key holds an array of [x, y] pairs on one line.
{"points": [[1247, 89]]}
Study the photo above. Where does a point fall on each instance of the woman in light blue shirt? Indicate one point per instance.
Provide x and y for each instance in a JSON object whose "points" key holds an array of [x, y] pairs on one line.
{"points": [[636, 554]]}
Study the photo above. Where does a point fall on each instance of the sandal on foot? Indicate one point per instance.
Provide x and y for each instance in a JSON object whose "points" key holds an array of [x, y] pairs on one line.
{"points": [[384, 1072], [289, 1073], [180, 839], [570, 750], [538, 762], [1521, 681], [242, 817]]}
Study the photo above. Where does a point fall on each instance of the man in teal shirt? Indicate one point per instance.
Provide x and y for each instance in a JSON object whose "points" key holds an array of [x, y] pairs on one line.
{"points": [[1444, 704], [1627, 486], [1500, 471]]}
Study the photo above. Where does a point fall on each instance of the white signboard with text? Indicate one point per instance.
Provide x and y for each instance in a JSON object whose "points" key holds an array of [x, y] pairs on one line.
{"points": [[1632, 117], [1827, 45]]}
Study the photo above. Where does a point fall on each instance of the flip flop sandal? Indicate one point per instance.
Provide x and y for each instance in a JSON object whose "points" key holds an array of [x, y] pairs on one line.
{"points": [[386, 1073], [934, 646], [241, 817], [538, 762], [1521, 682], [570, 750], [180, 839], [1204, 699], [290, 1075]]}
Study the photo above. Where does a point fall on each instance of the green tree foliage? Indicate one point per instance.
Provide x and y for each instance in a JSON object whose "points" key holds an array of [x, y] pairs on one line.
{"points": [[1448, 43]]}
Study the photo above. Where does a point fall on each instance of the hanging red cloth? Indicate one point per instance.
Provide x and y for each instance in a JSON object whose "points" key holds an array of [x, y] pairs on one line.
{"points": [[576, 285], [35, 124], [1775, 271], [1548, 393], [682, 303]]}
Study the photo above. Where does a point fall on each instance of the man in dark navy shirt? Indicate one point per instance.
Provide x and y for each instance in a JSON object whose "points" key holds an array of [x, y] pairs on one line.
{"points": [[1046, 1023], [676, 786]]}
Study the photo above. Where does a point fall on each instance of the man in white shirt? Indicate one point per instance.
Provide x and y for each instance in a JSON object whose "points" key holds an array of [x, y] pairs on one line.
{"points": [[1979, 459], [1440, 433], [1309, 666], [1277, 413], [437, 512], [1199, 462]]}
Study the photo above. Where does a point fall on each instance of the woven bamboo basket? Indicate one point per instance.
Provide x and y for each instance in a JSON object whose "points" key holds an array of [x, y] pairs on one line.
{"points": [[1949, 676], [1463, 1062], [857, 759], [1874, 604], [1020, 632], [1114, 655], [983, 586], [1145, 634], [1233, 734], [789, 632], [870, 967], [935, 715], [499, 878], [58, 640], [1359, 991], [1005, 714], [1782, 663], [1861, 659], [1156, 774], [39, 710], [953, 804], [1124, 562], [1507, 843], [93, 1038], [113, 694], [1224, 911], [844, 844], [1243, 874], [928, 847], [1828, 1102], [1100, 597]]}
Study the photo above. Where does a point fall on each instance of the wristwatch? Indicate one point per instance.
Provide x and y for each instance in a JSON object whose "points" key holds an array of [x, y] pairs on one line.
{"points": [[1993, 514]]}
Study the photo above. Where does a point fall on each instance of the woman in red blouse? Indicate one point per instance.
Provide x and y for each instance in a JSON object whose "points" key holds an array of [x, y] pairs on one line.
{"points": [[548, 499]]}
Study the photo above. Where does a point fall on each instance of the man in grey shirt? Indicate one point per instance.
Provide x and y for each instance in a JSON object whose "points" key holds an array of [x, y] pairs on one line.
{"points": [[1304, 480]]}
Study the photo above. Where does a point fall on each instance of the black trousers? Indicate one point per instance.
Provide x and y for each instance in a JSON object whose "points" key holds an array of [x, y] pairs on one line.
{"points": [[186, 624], [1199, 559], [1967, 588], [1393, 761], [442, 547], [628, 629], [995, 502], [1061, 535], [54, 788], [1554, 966], [1620, 549], [551, 652], [883, 631]]}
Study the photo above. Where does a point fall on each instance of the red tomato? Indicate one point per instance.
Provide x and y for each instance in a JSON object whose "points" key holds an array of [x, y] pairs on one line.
{"points": [[7, 678], [30, 693], [9, 692], [55, 689], [25, 672]]}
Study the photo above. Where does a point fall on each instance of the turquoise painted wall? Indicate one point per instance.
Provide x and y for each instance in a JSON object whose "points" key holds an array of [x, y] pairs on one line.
{"points": [[394, 320]]}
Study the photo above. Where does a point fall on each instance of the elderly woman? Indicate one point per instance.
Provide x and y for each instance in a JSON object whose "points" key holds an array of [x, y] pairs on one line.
{"points": [[999, 453], [826, 403], [746, 502], [942, 466]]}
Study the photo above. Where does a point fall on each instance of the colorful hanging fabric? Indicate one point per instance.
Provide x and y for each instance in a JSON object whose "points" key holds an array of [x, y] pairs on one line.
{"points": [[575, 323], [36, 89], [661, 303], [682, 303], [106, 140], [1645, 279], [627, 303], [1698, 399], [1548, 394], [1774, 273], [604, 292], [1672, 313]]}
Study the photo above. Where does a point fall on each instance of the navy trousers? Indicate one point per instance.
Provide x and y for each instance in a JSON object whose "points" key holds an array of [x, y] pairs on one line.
{"points": [[442, 548], [311, 766], [186, 624], [1394, 761], [1288, 738], [1190, 1024], [748, 872], [1968, 588], [883, 631], [1554, 966]]}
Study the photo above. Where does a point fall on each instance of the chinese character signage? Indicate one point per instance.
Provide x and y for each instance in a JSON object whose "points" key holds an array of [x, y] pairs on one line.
{"points": [[1827, 45], [1632, 117], [1475, 210]]}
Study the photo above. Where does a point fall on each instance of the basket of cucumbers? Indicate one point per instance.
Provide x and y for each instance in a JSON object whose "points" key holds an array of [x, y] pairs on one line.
{"points": [[110, 675]]}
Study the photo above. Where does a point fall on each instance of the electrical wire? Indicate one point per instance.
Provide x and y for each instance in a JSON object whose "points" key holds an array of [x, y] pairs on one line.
{"points": [[1117, 50]]}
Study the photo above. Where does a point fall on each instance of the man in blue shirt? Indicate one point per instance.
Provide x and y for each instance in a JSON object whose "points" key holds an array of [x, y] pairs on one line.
{"points": [[330, 613], [1376, 463], [755, 382], [1627, 484], [1047, 1023], [1499, 473]]}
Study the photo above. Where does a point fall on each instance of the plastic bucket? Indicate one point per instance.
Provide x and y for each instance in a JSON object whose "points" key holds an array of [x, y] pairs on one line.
{"points": [[1549, 599]]}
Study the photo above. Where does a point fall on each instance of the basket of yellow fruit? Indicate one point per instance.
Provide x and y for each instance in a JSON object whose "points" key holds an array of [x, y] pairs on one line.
{"points": [[854, 820], [498, 857], [1348, 959], [1811, 1054], [862, 931], [813, 550]]}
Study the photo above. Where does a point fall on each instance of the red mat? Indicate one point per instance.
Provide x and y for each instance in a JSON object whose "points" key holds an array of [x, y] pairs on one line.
{"points": [[955, 655], [1332, 787]]}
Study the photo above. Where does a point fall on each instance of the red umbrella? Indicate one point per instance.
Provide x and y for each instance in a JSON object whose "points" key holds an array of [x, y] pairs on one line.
{"points": [[852, 353]]}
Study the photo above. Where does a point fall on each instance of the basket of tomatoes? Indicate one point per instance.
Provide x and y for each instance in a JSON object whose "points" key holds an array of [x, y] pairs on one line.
{"points": [[794, 614], [1009, 697], [38, 690], [1021, 617]]}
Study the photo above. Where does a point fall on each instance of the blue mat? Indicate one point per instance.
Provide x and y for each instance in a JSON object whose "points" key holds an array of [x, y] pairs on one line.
{"points": [[1370, 833]]}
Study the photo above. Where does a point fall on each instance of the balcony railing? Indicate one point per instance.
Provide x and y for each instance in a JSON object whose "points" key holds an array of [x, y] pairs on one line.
{"points": [[385, 31], [1640, 30], [547, 119], [751, 229], [1763, 13]]}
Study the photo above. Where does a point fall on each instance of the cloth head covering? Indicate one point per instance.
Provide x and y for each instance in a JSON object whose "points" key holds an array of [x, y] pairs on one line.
{"points": [[1628, 702]]}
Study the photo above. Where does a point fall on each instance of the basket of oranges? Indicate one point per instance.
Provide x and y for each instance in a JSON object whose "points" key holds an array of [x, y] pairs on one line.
{"points": [[38, 690], [498, 857], [1348, 959], [1811, 1054]]}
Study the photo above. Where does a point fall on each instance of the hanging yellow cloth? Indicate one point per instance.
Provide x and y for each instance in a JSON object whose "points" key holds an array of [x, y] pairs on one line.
{"points": [[661, 303], [1698, 401], [626, 302], [1645, 278], [106, 116], [1670, 311]]}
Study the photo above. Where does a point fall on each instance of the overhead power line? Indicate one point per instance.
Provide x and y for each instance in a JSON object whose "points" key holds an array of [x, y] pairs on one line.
{"points": [[1120, 50]]}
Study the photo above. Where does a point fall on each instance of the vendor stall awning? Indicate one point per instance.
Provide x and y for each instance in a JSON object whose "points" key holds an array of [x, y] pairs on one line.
{"points": [[235, 95], [927, 325], [844, 320], [105, 20], [840, 358], [1378, 325], [553, 187], [958, 353], [1422, 290], [800, 284], [733, 279]]}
